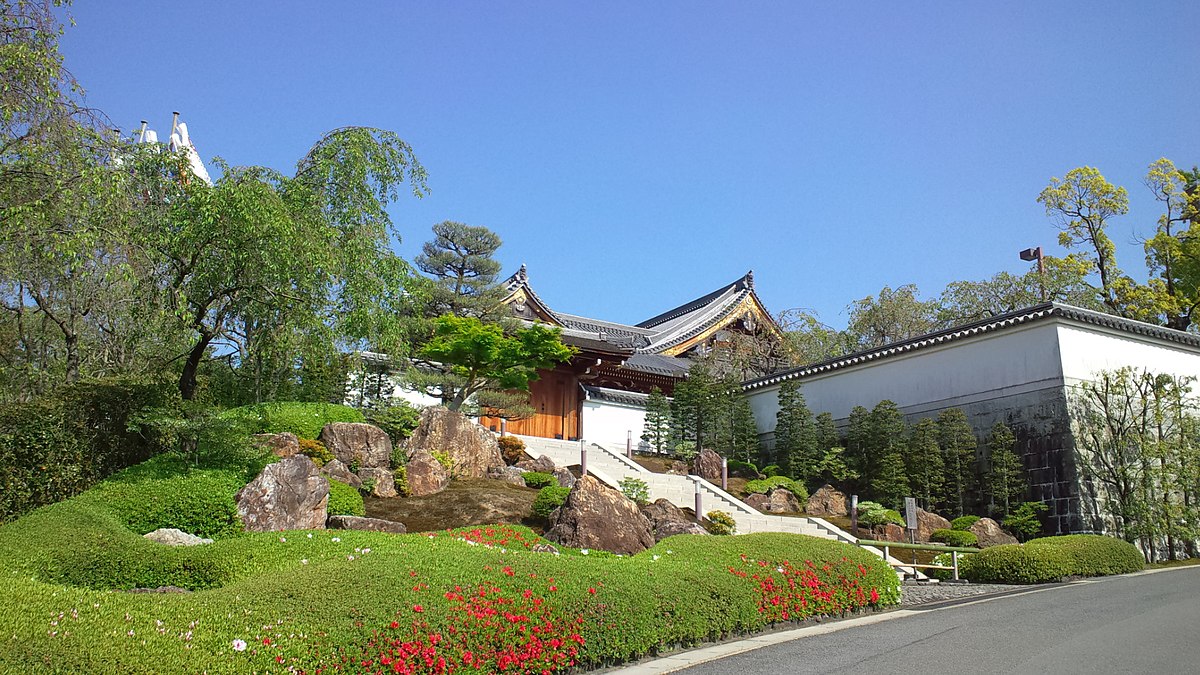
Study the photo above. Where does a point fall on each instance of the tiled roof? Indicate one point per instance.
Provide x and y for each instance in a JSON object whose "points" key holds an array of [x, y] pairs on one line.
{"points": [[658, 364], [988, 325], [615, 395]]}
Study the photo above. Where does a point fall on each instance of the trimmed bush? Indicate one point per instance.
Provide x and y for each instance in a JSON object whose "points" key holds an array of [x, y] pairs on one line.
{"points": [[765, 485], [512, 449], [303, 419], [954, 537], [548, 499], [165, 493], [398, 419], [770, 470], [1018, 564], [963, 523], [538, 480], [878, 517], [1094, 555], [316, 451], [636, 490], [719, 522], [743, 470], [345, 500], [948, 560]]}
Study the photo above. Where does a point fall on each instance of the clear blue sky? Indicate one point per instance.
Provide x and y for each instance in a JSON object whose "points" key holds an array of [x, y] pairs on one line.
{"points": [[636, 155]]}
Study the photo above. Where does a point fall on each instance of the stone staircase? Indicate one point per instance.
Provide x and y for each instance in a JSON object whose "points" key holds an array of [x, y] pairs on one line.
{"points": [[610, 466]]}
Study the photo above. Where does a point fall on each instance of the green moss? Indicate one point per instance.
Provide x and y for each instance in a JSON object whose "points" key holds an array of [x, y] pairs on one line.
{"points": [[345, 500], [303, 419]]}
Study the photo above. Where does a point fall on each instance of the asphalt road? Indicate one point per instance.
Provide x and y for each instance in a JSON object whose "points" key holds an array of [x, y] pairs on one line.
{"points": [[1134, 624]]}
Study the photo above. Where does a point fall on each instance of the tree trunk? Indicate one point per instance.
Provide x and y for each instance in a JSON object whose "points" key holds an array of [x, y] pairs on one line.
{"points": [[187, 380]]}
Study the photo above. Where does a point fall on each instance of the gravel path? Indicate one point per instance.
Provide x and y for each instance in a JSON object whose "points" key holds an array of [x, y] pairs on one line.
{"points": [[914, 593]]}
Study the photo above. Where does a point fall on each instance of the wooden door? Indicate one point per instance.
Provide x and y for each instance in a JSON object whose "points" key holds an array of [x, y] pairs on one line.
{"points": [[555, 400]]}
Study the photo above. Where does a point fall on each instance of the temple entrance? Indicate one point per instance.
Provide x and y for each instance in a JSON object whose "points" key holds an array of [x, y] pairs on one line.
{"points": [[555, 397]]}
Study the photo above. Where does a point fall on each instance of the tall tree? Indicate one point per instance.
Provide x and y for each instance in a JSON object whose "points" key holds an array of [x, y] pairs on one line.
{"points": [[1064, 280], [656, 431], [459, 258], [957, 441], [744, 429], [1006, 481], [1173, 254], [858, 445], [795, 434], [886, 450], [892, 316], [809, 340], [926, 470]]}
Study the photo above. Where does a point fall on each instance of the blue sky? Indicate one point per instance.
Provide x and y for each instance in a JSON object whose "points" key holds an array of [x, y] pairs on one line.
{"points": [[636, 155]]}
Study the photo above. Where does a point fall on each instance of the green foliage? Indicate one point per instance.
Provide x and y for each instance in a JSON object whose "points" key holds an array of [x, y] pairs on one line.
{"points": [[771, 470], [400, 477], [303, 419], [635, 489], [1025, 520], [538, 480], [1005, 480], [1094, 555], [398, 419], [954, 537], [686, 451], [316, 451], [162, 493], [345, 500], [963, 523], [957, 441], [926, 470], [445, 460], [948, 560], [512, 449], [548, 499], [878, 517], [656, 430], [743, 469], [1017, 564], [720, 523], [459, 258], [482, 356], [763, 486], [795, 434], [833, 468]]}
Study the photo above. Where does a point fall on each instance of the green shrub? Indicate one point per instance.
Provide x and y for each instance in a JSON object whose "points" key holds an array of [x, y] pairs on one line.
{"points": [[863, 507], [743, 470], [1094, 555], [316, 451], [719, 522], [303, 419], [400, 476], [686, 451], [765, 485], [770, 470], [345, 500], [538, 480], [512, 449], [1017, 564], [445, 460], [548, 499], [963, 523], [199, 502], [954, 537], [878, 517], [398, 419], [1025, 521], [948, 560], [635, 489]]}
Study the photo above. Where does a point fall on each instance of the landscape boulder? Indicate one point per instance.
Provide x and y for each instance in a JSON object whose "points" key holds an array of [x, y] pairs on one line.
{"points": [[170, 536], [678, 468], [426, 475], [599, 517], [544, 548], [509, 474], [781, 500], [707, 465], [358, 445], [286, 495], [564, 477], [382, 482], [758, 501], [542, 464], [366, 524], [473, 448], [667, 520], [889, 532], [828, 501], [283, 445], [340, 472], [989, 533], [927, 522]]}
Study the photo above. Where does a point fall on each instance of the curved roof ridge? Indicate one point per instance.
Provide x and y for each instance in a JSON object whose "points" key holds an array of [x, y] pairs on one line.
{"points": [[745, 282]]}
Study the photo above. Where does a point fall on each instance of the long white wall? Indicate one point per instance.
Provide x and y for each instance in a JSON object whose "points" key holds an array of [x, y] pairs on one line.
{"points": [[607, 423], [967, 370], [1088, 350]]}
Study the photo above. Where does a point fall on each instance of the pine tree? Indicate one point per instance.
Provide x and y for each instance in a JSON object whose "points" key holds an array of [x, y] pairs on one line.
{"points": [[795, 435], [925, 466], [890, 485], [1006, 481], [745, 429], [958, 443], [826, 434], [858, 439], [656, 432], [886, 438]]}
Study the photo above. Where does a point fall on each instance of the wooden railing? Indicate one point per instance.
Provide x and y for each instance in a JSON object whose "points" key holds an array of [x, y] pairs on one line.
{"points": [[952, 550]]}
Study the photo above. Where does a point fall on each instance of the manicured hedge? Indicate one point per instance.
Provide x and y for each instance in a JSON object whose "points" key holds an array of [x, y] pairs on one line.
{"points": [[765, 485], [963, 523], [1093, 555], [538, 480], [303, 419], [954, 537], [345, 500], [1052, 558], [877, 517], [549, 498]]}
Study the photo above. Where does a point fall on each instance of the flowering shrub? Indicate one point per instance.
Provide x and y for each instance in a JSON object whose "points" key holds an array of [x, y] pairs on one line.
{"points": [[788, 591]]}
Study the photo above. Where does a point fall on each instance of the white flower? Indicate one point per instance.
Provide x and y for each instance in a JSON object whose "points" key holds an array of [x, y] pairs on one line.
{"points": [[583, 551], [366, 551], [304, 561], [349, 557], [130, 633], [310, 535], [282, 540], [239, 645], [336, 539], [657, 557]]}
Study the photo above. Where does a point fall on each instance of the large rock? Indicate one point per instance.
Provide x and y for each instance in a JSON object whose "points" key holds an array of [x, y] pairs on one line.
{"points": [[382, 482], [758, 501], [989, 533], [337, 471], [472, 447], [889, 532], [358, 445], [828, 501], [170, 536], [287, 495], [542, 464], [927, 522], [509, 474], [707, 465], [595, 516], [564, 477], [677, 468], [667, 520], [284, 445], [780, 500], [426, 475], [366, 524]]}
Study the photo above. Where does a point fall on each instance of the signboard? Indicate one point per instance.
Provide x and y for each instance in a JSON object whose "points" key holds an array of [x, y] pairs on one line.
{"points": [[910, 512]]}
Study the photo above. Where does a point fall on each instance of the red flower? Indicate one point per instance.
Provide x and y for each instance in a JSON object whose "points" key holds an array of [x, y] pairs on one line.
{"points": [[394, 624], [592, 591], [418, 608], [874, 595]]}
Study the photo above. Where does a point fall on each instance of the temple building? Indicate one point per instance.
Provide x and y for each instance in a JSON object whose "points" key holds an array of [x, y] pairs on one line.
{"points": [[600, 394]]}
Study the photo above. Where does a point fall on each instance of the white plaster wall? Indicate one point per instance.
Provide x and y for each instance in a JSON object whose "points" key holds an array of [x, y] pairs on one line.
{"points": [[967, 370], [1087, 351], [607, 423]]}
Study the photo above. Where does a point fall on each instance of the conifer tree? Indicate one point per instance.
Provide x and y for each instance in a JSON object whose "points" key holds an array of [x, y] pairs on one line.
{"points": [[795, 434], [890, 485], [885, 443], [826, 434], [656, 432], [1006, 479], [958, 443], [858, 439], [925, 466], [745, 429]]}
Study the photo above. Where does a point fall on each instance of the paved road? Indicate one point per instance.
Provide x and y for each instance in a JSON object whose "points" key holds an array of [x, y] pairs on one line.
{"points": [[1141, 624]]}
